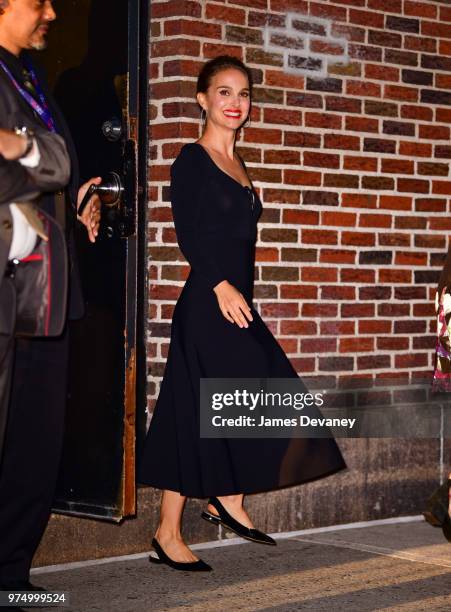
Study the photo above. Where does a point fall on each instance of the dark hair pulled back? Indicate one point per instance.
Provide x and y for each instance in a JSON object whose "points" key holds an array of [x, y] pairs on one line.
{"points": [[216, 65]]}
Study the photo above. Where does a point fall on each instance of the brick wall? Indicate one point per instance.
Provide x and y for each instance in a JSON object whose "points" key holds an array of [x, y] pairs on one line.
{"points": [[349, 149]]}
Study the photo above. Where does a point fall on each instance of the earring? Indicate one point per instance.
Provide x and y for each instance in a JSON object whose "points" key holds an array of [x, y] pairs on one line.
{"points": [[247, 123], [203, 117]]}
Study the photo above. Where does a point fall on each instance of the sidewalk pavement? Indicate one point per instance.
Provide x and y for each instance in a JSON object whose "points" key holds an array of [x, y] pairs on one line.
{"points": [[403, 566]]}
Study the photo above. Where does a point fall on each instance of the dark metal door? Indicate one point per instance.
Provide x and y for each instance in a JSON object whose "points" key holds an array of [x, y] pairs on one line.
{"points": [[96, 61]]}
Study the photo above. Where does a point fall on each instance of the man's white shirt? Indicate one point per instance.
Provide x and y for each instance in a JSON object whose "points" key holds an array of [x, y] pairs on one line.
{"points": [[24, 236]]}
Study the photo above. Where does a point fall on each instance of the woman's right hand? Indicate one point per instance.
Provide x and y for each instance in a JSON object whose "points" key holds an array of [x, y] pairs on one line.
{"points": [[232, 304]]}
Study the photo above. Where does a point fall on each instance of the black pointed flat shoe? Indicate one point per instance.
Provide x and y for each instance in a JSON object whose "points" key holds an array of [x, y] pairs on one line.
{"points": [[192, 566], [228, 521]]}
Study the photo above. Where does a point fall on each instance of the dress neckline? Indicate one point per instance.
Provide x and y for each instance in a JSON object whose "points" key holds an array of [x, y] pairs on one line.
{"points": [[249, 187]]}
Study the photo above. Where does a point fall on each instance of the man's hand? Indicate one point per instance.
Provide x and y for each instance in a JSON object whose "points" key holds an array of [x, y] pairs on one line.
{"points": [[12, 146], [232, 304], [91, 214]]}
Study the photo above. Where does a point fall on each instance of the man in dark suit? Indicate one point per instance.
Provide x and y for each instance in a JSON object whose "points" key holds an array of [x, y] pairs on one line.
{"points": [[36, 413], [39, 161]]}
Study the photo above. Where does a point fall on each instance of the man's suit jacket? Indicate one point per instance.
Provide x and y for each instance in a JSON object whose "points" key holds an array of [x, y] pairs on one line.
{"points": [[21, 184], [46, 200]]}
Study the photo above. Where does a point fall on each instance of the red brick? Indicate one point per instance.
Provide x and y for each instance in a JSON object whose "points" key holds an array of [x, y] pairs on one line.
{"points": [[392, 343], [443, 81], [413, 185], [351, 275], [319, 10], [434, 132], [339, 328], [323, 120], [359, 200], [421, 43], [430, 205], [202, 29], [258, 4], [175, 46], [298, 328], [398, 92], [175, 272], [175, 8], [432, 28], [302, 217], [164, 292], [338, 141], [443, 115], [289, 345], [427, 309], [411, 360], [227, 14], [319, 310], [415, 149], [366, 18], [395, 276], [282, 196], [301, 6], [441, 187], [279, 310], [299, 292], [302, 177], [278, 78], [445, 13], [263, 135], [314, 236], [279, 115], [376, 326], [321, 160], [395, 202], [160, 213], [420, 9], [397, 166], [389, 6], [363, 88], [338, 219], [340, 292], [326, 47], [319, 345], [337, 256], [381, 72], [167, 130], [356, 345], [211, 50], [328, 275], [266, 254], [369, 220], [360, 163], [361, 124], [445, 47], [357, 310], [278, 156], [410, 111], [410, 259], [358, 238]]}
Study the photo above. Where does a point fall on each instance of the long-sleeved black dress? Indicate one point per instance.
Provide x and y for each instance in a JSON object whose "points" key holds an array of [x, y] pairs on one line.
{"points": [[216, 222]]}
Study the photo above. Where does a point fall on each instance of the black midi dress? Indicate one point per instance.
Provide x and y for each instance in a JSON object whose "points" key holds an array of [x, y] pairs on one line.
{"points": [[215, 220]]}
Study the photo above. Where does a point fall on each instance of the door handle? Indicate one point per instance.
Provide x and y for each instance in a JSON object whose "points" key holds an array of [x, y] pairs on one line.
{"points": [[109, 191]]}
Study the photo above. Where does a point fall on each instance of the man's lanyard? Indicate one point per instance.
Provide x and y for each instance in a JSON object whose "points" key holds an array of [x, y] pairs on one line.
{"points": [[41, 107]]}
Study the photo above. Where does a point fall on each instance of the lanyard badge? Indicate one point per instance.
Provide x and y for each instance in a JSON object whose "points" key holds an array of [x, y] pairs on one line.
{"points": [[41, 107]]}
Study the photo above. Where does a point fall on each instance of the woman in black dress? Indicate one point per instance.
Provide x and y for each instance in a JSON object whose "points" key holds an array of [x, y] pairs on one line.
{"points": [[216, 333]]}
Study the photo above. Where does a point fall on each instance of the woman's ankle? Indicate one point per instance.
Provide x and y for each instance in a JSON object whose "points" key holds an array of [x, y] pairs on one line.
{"points": [[234, 501], [168, 532]]}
